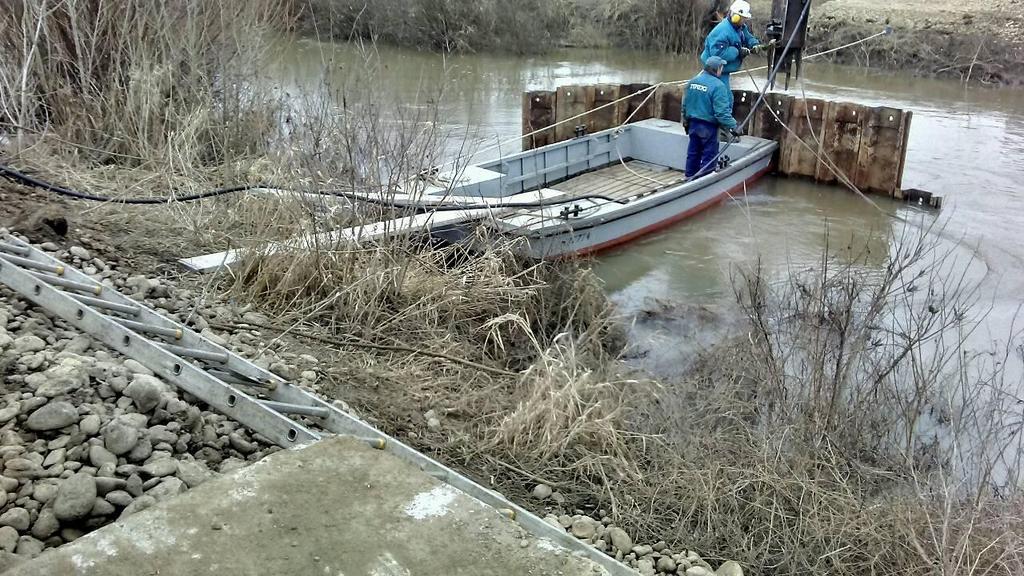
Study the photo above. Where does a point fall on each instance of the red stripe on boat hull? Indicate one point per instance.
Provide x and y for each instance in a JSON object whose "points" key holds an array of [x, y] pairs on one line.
{"points": [[668, 221]]}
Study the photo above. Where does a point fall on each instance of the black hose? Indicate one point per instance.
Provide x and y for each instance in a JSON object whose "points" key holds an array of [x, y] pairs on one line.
{"points": [[26, 180]]}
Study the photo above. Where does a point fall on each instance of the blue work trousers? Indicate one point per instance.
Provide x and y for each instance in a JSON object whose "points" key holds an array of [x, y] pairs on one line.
{"points": [[701, 156]]}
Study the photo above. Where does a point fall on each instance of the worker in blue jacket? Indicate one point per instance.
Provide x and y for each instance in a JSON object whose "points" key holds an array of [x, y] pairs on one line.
{"points": [[707, 108], [732, 41]]}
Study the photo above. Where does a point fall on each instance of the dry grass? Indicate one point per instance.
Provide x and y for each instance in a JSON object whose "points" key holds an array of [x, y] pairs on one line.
{"points": [[132, 83], [676, 26], [526, 26]]}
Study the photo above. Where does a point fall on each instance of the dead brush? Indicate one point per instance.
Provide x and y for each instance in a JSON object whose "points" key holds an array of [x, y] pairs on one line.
{"points": [[677, 26], [568, 415], [849, 432], [130, 82], [402, 290]]}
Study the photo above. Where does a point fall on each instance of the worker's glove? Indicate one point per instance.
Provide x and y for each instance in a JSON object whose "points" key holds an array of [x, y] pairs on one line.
{"points": [[758, 49], [734, 135], [744, 52]]}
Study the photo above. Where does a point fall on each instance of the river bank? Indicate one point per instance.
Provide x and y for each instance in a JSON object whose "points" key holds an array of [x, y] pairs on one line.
{"points": [[980, 43], [513, 371]]}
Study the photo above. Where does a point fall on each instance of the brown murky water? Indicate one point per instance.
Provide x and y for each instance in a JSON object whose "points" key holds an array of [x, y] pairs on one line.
{"points": [[966, 144]]}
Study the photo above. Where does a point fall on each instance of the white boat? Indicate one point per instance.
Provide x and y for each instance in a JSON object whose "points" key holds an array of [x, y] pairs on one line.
{"points": [[593, 192], [571, 198]]}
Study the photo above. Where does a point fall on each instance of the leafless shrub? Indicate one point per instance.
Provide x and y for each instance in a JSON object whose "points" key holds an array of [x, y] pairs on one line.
{"points": [[131, 81], [445, 25]]}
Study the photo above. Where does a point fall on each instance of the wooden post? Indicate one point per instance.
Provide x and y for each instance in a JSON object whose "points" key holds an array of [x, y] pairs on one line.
{"points": [[669, 103], [646, 110], [604, 118], [880, 157], [538, 112], [801, 144], [572, 101], [841, 141]]}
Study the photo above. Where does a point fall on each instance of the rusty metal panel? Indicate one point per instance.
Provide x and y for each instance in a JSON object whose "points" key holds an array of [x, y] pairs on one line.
{"points": [[801, 144], [603, 118], [538, 113], [880, 158], [572, 101], [669, 103], [640, 103], [844, 127]]}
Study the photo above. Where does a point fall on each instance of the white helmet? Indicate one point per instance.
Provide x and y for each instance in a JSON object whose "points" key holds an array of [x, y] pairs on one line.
{"points": [[741, 8]]}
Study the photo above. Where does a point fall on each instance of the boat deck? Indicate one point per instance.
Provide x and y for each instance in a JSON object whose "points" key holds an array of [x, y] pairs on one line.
{"points": [[621, 181]]}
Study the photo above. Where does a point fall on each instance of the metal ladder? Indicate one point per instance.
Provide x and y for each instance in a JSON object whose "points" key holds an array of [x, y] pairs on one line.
{"points": [[227, 382], [230, 384]]}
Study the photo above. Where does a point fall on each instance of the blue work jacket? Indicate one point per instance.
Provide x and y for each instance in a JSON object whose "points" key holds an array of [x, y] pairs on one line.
{"points": [[710, 100], [725, 41]]}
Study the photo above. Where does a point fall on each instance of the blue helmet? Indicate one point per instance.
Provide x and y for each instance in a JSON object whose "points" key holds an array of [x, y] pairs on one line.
{"points": [[714, 63]]}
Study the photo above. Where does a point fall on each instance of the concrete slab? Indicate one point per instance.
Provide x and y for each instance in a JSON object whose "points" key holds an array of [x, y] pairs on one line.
{"points": [[335, 508]]}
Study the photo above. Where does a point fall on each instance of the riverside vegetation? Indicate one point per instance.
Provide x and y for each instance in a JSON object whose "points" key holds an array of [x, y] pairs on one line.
{"points": [[847, 431], [941, 37]]}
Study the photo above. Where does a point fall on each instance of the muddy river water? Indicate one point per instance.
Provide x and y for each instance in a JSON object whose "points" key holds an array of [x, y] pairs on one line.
{"points": [[966, 144]]}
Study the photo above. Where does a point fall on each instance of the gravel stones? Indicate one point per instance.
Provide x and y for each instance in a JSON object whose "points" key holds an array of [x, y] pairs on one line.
{"points": [[52, 416], [90, 425], [75, 498], [135, 367], [619, 539], [100, 456], [8, 539], [240, 444], [80, 253], [642, 551], [46, 524], [145, 392], [666, 564], [59, 380], [542, 491], [120, 438], [142, 451], [28, 344], [119, 498], [283, 370], [104, 485], [45, 491], [10, 411], [583, 528], [17, 518], [192, 473], [161, 467], [137, 505], [29, 546], [22, 468], [101, 507], [167, 488]]}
